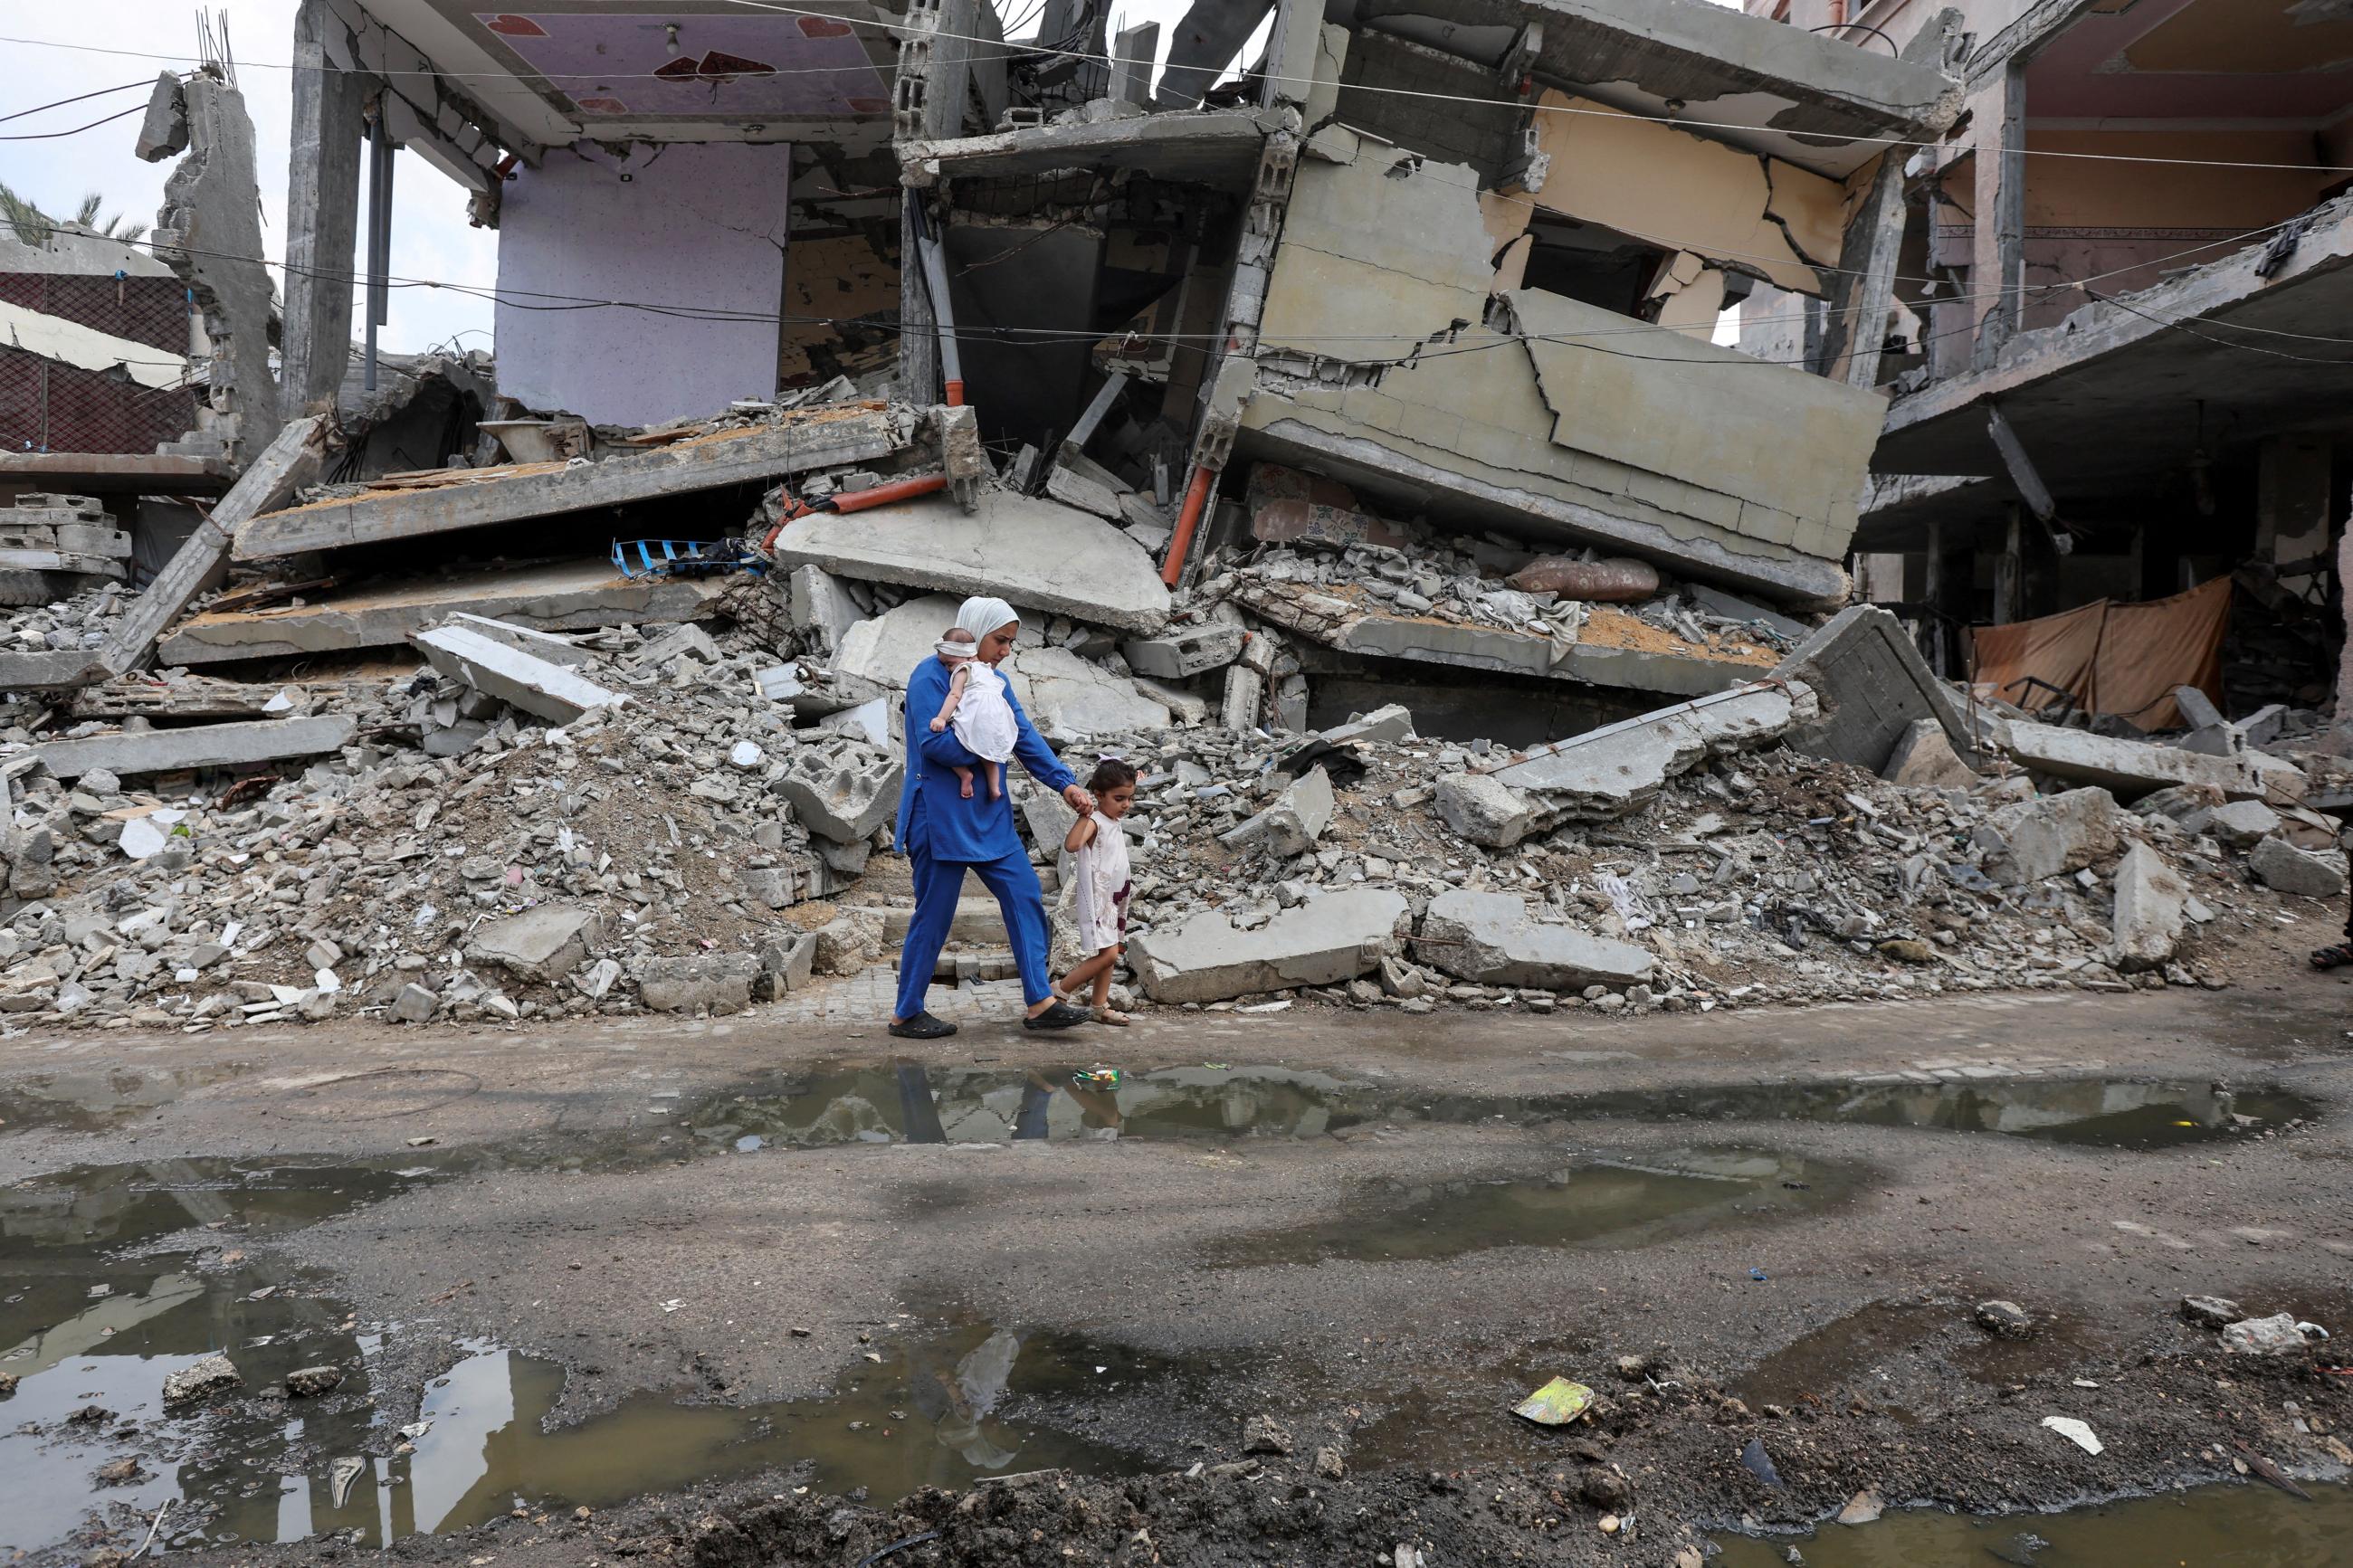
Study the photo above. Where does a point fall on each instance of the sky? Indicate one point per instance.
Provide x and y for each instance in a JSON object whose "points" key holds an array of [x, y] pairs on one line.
{"points": [[430, 236]]}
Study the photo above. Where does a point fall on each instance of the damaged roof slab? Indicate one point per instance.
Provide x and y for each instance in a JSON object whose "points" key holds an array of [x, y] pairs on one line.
{"points": [[1217, 145], [2115, 390], [475, 497], [561, 596], [1817, 102]]}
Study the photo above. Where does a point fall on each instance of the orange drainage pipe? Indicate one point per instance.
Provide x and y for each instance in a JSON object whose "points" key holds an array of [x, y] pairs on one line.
{"points": [[858, 500], [1197, 497], [956, 394]]}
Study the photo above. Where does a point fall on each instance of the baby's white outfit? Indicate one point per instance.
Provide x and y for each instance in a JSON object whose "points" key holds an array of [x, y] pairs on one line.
{"points": [[1099, 869], [983, 719]]}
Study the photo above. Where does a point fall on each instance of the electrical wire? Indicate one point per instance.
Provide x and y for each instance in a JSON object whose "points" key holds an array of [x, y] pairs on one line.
{"points": [[81, 97], [53, 135], [1085, 56]]}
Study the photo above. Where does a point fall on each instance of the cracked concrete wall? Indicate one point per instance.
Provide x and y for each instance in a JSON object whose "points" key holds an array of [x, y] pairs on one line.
{"points": [[1743, 210], [1688, 453], [704, 222], [1379, 74], [212, 205]]}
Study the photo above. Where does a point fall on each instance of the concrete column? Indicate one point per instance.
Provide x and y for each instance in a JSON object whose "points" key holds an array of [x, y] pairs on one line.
{"points": [[2292, 503], [322, 206], [2010, 570], [1854, 327], [1998, 267], [1937, 592]]}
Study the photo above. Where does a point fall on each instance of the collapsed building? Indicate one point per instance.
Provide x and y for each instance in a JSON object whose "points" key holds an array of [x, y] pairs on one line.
{"points": [[1347, 418], [2118, 365]]}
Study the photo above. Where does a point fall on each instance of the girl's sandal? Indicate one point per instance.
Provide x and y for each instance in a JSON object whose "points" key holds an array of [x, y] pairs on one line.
{"points": [[1112, 1016], [2336, 957]]}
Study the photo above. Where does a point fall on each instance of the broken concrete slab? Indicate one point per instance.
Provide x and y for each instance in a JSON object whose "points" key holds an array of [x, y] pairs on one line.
{"points": [[136, 752], [679, 642], [544, 689], [1291, 824], [545, 596], [289, 462], [1617, 768], [1037, 553], [1483, 809], [522, 639], [1067, 484], [1068, 699], [1321, 941], [475, 497], [2282, 868], [1491, 938], [545, 943], [1923, 757], [1871, 684], [1390, 724], [1182, 652], [1287, 505], [843, 791], [1732, 607], [2052, 835], [2130, 769], [886, 648], [2150, 911]]}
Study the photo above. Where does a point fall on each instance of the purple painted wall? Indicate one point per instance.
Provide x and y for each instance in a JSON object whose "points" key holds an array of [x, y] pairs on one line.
{"points": [[697, 224]]}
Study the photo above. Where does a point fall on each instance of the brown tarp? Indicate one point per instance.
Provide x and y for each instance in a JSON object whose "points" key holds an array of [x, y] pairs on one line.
{"points": [[2118, 658]]}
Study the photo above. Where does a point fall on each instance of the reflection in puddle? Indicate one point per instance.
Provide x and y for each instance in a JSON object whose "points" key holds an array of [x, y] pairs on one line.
{"points": [[1594, 1203], [88, 1099], [2101, 1113], [907, 1103], [112, 1278], [2216, 1527]]}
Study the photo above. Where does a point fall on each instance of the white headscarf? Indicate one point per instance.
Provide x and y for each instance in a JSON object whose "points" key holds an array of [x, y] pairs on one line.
{"points": [[981, 616]]}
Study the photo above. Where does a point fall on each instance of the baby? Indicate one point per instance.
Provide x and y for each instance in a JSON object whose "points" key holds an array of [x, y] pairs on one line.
{"points": [[976, 706]]}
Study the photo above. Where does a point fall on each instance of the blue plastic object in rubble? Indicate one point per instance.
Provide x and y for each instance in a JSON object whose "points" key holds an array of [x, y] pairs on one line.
{"points": [[683, 557]]}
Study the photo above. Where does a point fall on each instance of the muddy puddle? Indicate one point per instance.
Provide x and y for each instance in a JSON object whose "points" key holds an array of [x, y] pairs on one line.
{"points": [[1611, 1203], [112, 1278], [2216, 1527], [2102, 1113]]}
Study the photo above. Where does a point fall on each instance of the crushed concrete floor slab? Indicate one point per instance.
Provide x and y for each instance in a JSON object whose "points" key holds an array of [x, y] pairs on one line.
{"points": [[1613, 649], [549, 596]]}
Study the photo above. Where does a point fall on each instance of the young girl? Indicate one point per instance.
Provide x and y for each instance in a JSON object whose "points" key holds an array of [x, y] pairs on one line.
{"points": [[1098, 847]]}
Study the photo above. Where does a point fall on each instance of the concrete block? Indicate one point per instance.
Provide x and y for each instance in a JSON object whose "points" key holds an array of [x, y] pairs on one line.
{"points": [[1325, 939], [717, 982], [1291, 824], [680, 642], [843, 791], [1483, 809], [1871, 684], [2052, 835], [1925, 756], [2282, 868], [1073, 488], [1034, 552], [2198, 710], [538, 688], [2240, 824], [1184, 707], [772, 886], [1490, 938], [135, 752], [786, 966], [546, 942], [819, 607], [2130, 769], [1182, 652], [2149, 914], [1391, 723], [1245, 697], [1617, 768], [415, 1005]]}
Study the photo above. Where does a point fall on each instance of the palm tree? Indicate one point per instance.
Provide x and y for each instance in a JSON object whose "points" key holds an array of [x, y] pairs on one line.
{"points": [[35, 227]]}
